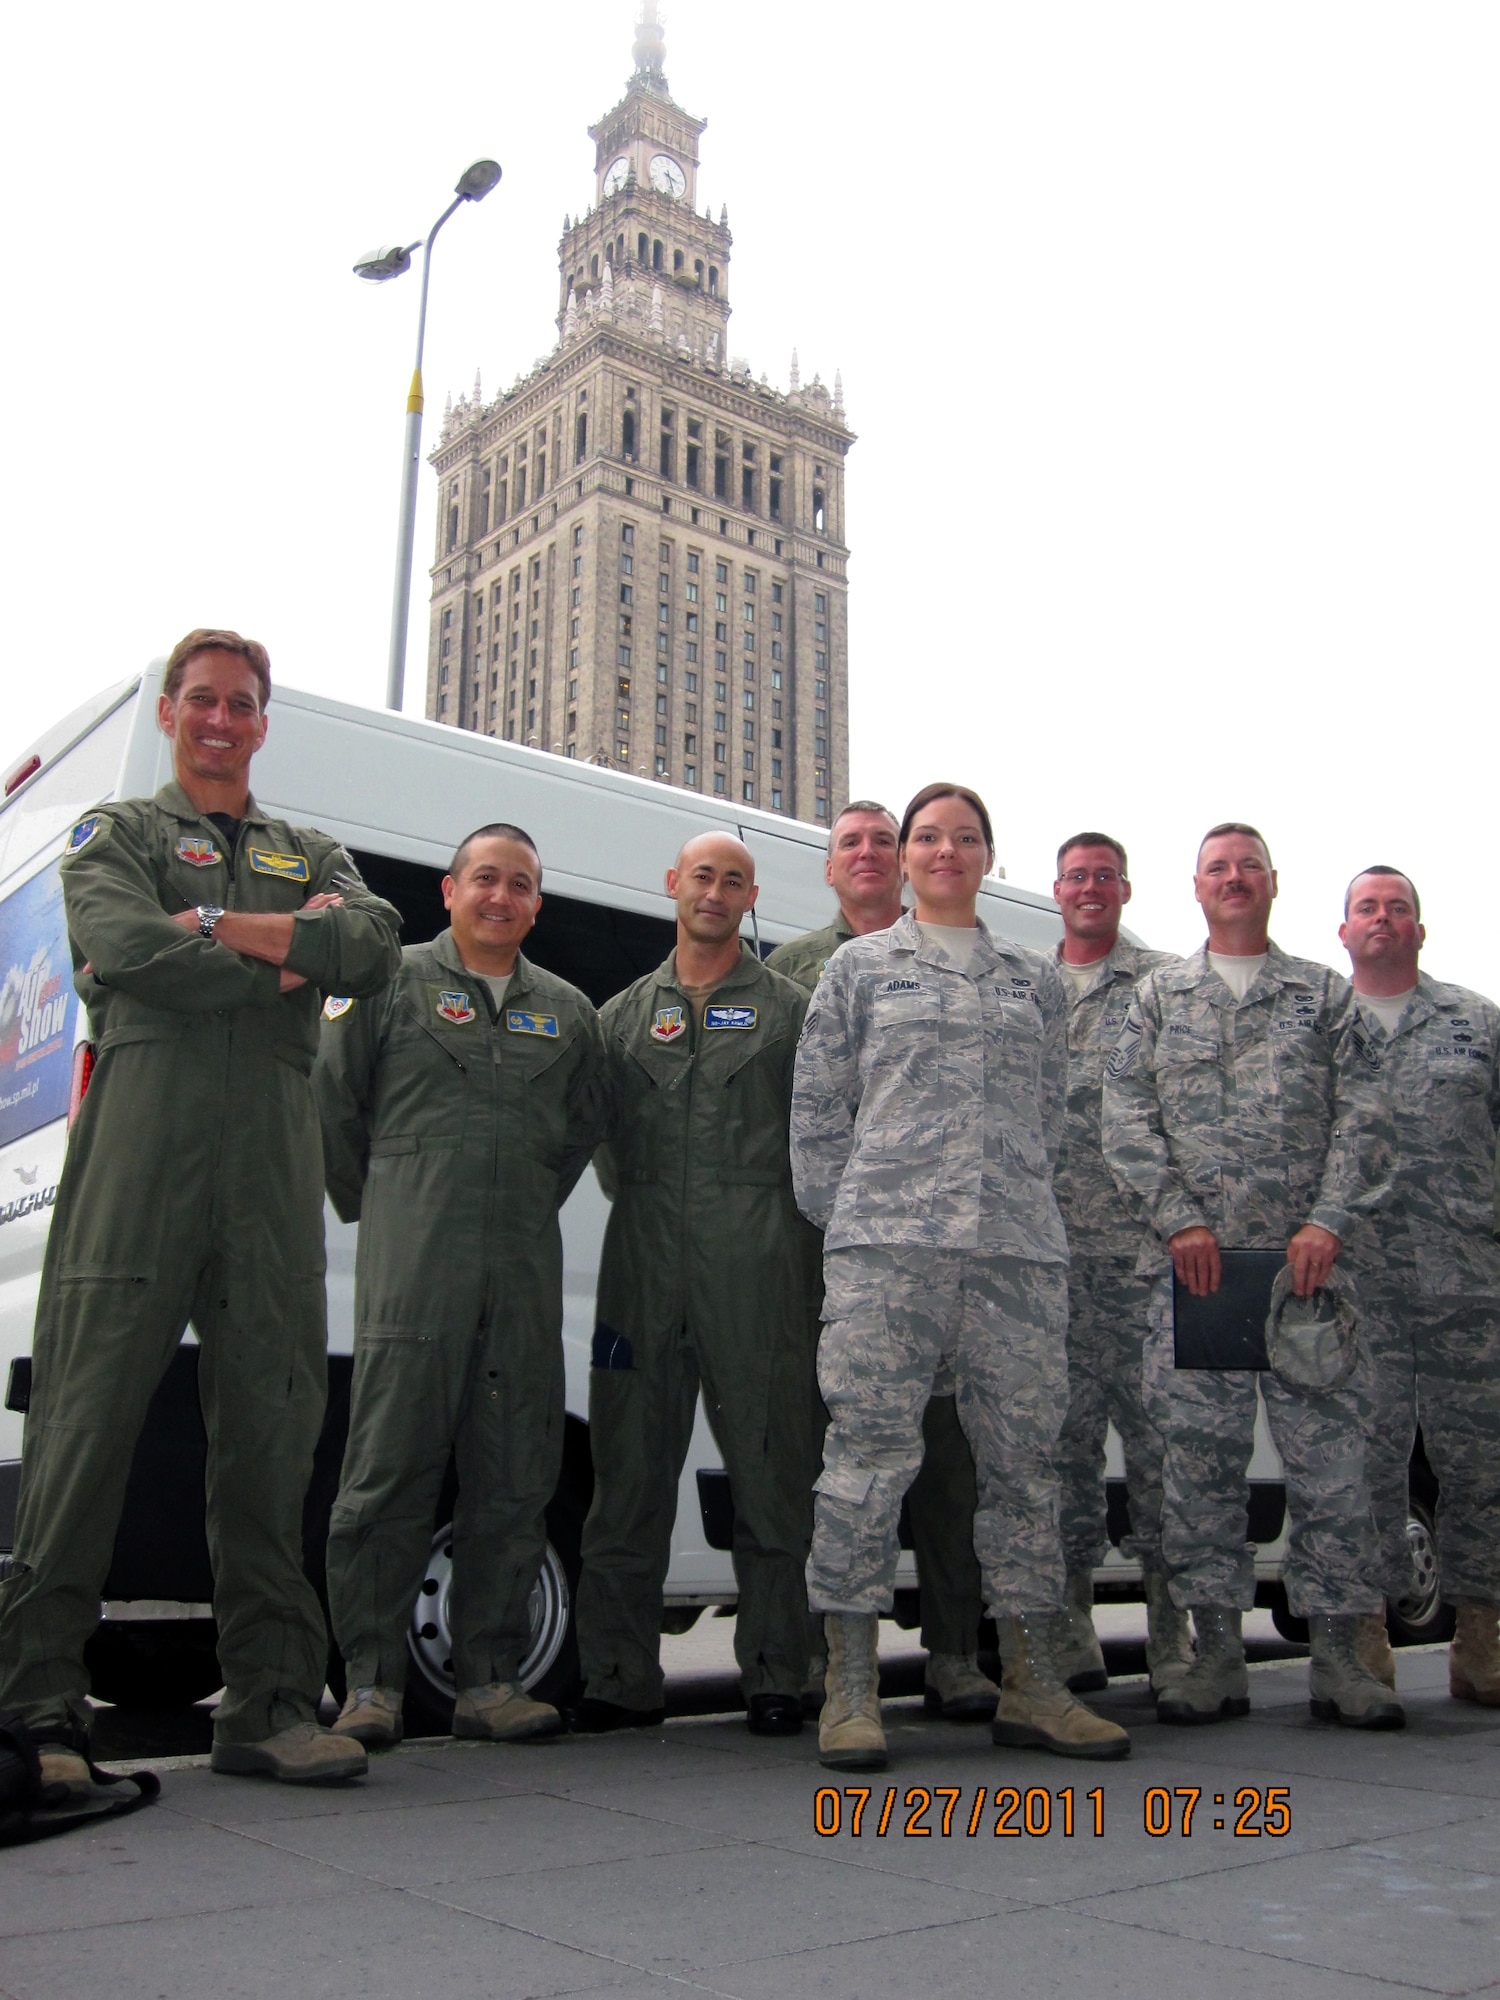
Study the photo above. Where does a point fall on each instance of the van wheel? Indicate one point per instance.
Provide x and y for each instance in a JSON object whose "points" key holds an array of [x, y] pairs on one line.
{"points": [[1422, 1619], [156, 1665], [549, 1671]]}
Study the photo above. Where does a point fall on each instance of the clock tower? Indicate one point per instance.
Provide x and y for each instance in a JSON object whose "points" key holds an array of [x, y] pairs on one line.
{"points": [[641, 557]]}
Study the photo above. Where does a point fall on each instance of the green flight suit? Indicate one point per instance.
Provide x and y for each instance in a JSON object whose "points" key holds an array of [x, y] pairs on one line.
{"points": [[941, 1500], [192, 1190], [454, 1136], [707, 1275]]}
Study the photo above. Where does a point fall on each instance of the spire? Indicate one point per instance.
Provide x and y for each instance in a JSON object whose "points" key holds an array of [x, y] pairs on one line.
{"points": [[570, 317], [656, 312], [607, 292], [794, 380], [478, 399], [724, 215], [650, 49], [838, 393], [448, 407]]}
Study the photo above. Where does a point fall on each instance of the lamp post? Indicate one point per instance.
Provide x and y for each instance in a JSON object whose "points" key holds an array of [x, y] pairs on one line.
{"points": [[391, 261]]}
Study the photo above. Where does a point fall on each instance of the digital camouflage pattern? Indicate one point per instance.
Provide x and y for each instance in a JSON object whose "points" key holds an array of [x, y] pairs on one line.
{"points": [[192, 1190], [1107, 1303], [804, 958], [901, 1048], [1428, 1270], [1238, 1116], [707, 1273], [893, 1318], [453, 1134], [1106, 1298]]}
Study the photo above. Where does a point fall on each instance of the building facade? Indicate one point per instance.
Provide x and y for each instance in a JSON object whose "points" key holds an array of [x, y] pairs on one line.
{"points": [[640, 549]]}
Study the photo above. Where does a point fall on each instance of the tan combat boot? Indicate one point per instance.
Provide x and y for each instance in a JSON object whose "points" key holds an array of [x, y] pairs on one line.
{"points": [[1340, 1686], [1035, 1708], [954, 1687], [1077, 1653], [1169, 1643], [372, 1716], [301, 1755], [65, 1774], [1216, 1686], [1374, 1648], [812, 1687], [1474, 1656], [850, 1737], [503, 1712]]}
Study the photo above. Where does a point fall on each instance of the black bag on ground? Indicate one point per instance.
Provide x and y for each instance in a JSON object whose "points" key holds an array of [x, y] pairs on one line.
{"points": [[25, 1815]]}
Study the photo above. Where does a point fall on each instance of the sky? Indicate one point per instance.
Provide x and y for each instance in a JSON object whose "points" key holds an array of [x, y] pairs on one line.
{"points": [[1169, 333]]}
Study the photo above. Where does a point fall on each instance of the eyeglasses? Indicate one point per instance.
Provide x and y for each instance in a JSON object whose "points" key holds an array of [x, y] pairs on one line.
{"points": [[1080, 878]]}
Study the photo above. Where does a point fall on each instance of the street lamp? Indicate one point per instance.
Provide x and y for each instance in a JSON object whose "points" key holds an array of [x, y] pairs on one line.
{"points": [[392, 260]]}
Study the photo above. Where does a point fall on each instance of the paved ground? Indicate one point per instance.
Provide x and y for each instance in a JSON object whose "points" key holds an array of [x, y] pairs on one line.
{"points": [[687, 1861]]}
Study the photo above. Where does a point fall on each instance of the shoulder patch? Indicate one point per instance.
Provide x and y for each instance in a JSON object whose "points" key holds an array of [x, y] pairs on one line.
{"points": [[333, 1007], [743, 1018], [521, 1021], [290, 867], [198, 852], [83, 833], [668, 1024], [456, 1007]]}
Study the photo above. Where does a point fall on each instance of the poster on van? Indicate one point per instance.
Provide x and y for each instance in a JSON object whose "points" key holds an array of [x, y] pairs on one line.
{"points": [[37, 1007]]}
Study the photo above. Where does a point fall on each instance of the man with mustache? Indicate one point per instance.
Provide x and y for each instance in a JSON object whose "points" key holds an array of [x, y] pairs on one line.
{"points": [[1229, 1117]]}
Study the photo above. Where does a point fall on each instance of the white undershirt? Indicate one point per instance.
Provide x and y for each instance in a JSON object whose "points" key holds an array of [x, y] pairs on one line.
{"points": [[958, 941], [498, 984], [1386, 1008], [1237, 973]]}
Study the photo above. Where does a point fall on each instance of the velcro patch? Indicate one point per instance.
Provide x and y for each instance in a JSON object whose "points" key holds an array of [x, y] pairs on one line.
{"points": [[742, 1018], [455, 1007], [1122, 1060], [290, 867], [520, 1021], [83, 833], [333, 1007], [668, 1024], [197, 852]]}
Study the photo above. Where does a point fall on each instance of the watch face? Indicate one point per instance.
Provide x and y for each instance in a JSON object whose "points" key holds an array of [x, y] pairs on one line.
{"points": [[614, 180], [666, 176]]}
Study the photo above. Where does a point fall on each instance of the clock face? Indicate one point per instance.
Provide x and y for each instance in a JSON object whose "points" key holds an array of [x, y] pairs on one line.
{"points": [[666, 176], [614, 180]]}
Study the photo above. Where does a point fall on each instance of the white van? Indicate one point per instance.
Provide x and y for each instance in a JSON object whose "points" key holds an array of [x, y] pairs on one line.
{"points": [[400, 793]]}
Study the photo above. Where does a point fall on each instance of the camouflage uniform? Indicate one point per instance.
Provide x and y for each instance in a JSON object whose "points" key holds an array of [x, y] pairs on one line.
{"points": [[926, 1117], [1107, 1295], [1237, 1117], [941, 1500], [1428, 1269]]}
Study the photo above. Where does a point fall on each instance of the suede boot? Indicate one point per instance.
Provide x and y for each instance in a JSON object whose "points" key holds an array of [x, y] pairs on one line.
{"points": [[1169, 1643], [1035, 1708], [1340, 1686], [954, 1688], [1216, 1686], [850, 1737], [1077, 1654], [1474, 1656]]}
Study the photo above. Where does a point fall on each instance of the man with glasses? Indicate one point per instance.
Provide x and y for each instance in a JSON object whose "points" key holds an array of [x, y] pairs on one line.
{"points": [[1107, 1297]]}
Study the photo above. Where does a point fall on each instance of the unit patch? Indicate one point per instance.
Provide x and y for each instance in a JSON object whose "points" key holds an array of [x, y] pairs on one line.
{"points": [[668, 1024], [729, 1017], [520, 1021], [455, 1007], [290, 867], [199, 853], [333, 1007], [83, 833]]}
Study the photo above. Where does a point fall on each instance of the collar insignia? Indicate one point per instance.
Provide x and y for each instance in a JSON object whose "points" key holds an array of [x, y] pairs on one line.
{"points": [[668, 1024], [520, 1021], [290, 867]]}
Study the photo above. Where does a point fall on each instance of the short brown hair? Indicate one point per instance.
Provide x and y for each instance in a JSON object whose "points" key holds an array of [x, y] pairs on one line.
{"points": [[1236, 826], [1380, 868], [1092, 840], [209, 639], [859, 806], [945, 791]]}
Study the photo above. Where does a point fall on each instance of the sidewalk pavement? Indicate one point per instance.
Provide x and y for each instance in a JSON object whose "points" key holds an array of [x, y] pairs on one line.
{"points": [[686, 1861]]}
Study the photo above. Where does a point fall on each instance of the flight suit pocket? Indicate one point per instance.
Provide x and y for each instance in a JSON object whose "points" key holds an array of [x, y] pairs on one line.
{"points": [[849, 1483]]}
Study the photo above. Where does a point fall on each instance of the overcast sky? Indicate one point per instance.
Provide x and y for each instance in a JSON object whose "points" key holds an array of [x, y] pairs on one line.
{"points": [[1171, 335]]}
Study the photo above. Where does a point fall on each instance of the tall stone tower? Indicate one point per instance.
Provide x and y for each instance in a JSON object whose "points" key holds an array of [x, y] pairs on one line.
{"points": [[640, 553]]}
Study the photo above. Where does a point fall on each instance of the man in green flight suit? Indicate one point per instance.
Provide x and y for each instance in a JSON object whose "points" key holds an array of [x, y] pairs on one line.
{"points": [[864, 873], [204, 935], [459, 1109], [708, 1275]]}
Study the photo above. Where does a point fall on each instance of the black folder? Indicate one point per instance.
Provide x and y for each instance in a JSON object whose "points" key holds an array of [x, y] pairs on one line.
{"points": [[1228, 1328]]}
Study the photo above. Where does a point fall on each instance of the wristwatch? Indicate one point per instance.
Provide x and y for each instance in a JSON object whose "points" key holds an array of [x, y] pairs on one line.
{"points": [[208, 916]]}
